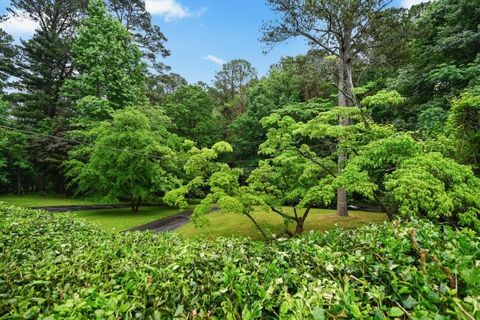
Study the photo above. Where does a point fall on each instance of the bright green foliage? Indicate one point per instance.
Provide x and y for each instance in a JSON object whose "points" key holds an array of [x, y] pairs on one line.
{"points": [[292, 174], [409, 269], [376, 160], [464, 125], [192, 111], [206, 171], [383, 98], [408, 180], [438, 188], [111, 72], [127, 160]]}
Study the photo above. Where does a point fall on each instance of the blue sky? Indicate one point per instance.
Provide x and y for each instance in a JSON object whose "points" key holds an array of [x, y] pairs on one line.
{"points": [[204, 33]]}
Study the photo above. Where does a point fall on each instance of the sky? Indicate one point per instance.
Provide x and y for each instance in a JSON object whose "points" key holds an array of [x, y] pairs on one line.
{"points": [[204, 34]]}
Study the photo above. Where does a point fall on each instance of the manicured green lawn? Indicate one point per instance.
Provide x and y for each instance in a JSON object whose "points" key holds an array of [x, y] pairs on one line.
{"points": [[37, 200], [123, 219], [237, 225]]}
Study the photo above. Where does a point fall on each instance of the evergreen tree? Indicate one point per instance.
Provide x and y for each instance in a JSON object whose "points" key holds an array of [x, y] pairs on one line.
{"points": [[43, 65], [7, 53]]}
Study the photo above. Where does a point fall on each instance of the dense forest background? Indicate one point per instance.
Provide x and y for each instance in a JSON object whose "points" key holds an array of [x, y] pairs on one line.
{"points": [[414, 71]]}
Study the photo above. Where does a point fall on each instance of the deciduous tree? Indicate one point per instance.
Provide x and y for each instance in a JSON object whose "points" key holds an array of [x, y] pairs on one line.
{"points": [[342, 29], [111, 74], [128, 160]]}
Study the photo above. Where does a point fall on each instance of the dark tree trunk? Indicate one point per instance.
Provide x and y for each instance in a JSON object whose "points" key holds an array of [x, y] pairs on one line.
{"points": [[300, 226], [137, 205], [19, 184], [41, 183]]}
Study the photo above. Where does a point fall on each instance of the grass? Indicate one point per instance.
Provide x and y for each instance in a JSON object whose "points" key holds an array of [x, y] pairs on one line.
{"points": [[237, 225], [38, 200], [123, 219]]}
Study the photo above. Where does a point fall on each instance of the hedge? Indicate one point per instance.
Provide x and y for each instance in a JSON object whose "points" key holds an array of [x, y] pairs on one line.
{"points": [[57, 267]]}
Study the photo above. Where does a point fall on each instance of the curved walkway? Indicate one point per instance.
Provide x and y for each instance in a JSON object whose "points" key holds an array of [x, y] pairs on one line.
{"points": [[166, 224], [169, 223]]}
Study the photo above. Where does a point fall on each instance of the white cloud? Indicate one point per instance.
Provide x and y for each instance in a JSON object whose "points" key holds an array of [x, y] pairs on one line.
{"points": [[410, 3], [19, 26], [214, 59], [171, 9]]}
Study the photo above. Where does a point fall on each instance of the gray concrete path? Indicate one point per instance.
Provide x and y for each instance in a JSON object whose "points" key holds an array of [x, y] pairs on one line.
{"points": [[169, 223]]}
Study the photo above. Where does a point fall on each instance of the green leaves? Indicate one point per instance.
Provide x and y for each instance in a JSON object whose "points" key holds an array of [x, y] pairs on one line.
{"points": [[437, 187], [75, 270], [395, 312], [109, 65], [126, 160], [191, 109], [383, 98]]}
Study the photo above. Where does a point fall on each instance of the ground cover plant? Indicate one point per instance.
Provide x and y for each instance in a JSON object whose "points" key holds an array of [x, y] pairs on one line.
{"points": [[411, 269], [220, 224]]}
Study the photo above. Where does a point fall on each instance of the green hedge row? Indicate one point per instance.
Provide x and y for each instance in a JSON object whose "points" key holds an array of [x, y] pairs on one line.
{"points": [[56, 267]]}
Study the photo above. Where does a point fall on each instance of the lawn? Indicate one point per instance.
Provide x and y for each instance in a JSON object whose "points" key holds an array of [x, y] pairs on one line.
{"points": [[237, 225], [38, 200], [123, 219]]}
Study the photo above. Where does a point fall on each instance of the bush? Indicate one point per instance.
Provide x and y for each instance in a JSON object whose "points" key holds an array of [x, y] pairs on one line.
{"points": [[53, 266]]}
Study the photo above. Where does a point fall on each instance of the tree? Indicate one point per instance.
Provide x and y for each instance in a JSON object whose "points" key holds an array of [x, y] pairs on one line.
{"points": [[138, 21], [343, 29], [295, 172], [15, 162], [235, 76], [7, 53], [293, 80], [45, 60], [192, 111], [464, 126], [410, 180], [127, 160], [444, 61], [111, 74], [231, 83], [162, 85], [42, 65]]}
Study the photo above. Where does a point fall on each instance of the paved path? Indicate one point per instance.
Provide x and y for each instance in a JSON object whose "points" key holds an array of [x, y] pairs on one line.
{"points": [[169, 223], [166, 224]]}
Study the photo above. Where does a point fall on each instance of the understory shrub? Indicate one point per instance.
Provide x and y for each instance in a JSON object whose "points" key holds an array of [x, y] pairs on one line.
{"points": [[53, 266]]}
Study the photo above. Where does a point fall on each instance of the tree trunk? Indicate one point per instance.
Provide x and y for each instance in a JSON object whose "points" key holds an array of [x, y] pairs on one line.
{"points": [[41, 183], [342, 201], [19, 184], [132, 202], [300, 226], [137, 205]]}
